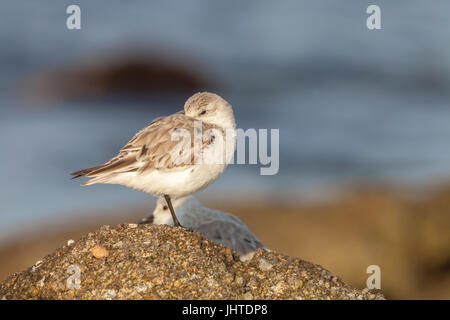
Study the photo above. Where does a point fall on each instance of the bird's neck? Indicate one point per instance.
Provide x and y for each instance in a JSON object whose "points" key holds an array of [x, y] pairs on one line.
{"points": [[225, 121]]}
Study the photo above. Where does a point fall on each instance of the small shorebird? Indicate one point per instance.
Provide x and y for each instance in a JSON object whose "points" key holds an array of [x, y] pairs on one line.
{"points": [[220, 227], [157, 160]]}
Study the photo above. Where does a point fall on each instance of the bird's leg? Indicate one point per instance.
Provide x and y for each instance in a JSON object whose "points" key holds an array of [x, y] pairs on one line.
{"points": [[176, 223]]}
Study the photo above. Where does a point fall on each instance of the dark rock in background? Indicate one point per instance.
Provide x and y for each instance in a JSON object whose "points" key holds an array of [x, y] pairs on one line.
{"points": [[136, 74]]}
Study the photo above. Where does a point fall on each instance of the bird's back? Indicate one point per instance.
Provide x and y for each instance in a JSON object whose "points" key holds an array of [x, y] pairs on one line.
{"points": [[229, 231]]}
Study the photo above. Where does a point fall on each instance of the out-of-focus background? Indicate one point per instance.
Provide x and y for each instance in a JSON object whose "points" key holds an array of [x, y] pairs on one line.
{"points": [[364, 119]]}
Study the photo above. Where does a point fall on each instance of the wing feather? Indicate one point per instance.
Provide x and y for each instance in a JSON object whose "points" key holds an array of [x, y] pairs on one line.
{"points": [[150, 148]]}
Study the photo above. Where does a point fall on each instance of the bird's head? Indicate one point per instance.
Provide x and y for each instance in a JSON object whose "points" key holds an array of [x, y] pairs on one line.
{"points": [[210, 108]]}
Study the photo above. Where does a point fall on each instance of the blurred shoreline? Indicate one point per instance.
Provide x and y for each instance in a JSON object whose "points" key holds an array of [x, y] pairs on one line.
{"points": [[405, 232], [353, 107]]}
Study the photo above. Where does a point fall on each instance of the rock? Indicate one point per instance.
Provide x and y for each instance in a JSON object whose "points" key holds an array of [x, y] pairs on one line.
{"points": [[138, 73], [163, 262], [264, 265], [99, 252]]}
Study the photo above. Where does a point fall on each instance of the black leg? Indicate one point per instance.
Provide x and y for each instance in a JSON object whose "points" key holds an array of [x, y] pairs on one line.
{"points": [[176, 223]]}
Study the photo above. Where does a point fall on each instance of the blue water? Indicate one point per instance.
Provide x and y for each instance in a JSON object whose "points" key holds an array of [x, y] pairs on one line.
{"points": [[351, 104]]}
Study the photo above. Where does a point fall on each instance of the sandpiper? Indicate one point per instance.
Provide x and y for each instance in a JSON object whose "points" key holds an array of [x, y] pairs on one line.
{"points": [[176, 155]]}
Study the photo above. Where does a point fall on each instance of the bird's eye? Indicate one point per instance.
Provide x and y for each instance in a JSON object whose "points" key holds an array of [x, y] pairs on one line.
{"points": [[165, 207], [203, 112]]}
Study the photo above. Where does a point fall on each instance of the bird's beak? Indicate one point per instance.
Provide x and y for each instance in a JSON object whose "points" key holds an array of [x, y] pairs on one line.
{"points": [[147, 220]]}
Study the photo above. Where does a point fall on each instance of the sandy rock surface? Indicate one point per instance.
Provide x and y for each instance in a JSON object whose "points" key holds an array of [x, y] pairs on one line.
{"points": [[161, 262]]}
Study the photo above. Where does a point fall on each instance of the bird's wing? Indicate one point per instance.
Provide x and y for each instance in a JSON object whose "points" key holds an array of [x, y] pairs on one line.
{"points": [[153, 147]]}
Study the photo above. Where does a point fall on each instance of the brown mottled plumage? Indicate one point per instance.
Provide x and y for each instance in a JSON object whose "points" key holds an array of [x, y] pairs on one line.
{"points": [[177, 155], [150, 148]]}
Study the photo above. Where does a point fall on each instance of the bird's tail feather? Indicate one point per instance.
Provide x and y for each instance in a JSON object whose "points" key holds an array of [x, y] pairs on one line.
{"points": [[95, 180], [84, 172]]}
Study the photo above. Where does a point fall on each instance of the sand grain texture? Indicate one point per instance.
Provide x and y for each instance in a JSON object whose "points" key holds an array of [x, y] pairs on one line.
{"points": [[162, 262]]}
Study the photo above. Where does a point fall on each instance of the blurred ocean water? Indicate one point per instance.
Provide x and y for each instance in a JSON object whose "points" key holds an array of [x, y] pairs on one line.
{"points": [[350, 103]]}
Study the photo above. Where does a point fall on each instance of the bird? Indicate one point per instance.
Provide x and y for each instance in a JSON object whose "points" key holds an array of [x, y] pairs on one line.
{"points": [[220, 227], [176, 155]]}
